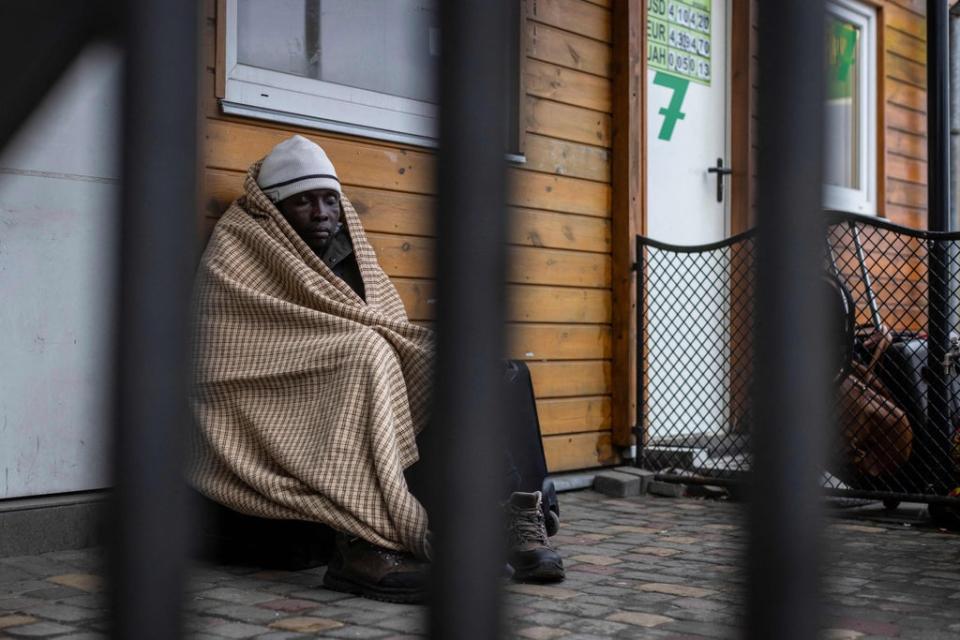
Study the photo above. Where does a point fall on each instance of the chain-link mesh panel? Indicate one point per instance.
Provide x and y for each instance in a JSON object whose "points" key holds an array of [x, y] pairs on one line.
{"points": [[697, 321], [892, 298]]}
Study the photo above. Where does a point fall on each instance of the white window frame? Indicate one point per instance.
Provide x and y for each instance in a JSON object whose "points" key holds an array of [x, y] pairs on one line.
{"points": [[282, 97], [864, 199]]}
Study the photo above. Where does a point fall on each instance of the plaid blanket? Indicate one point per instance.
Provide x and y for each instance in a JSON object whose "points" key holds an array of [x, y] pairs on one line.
{"points": [[307, 399]]}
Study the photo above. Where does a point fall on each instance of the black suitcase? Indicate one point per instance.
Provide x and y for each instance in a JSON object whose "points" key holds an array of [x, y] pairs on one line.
{"points": [[903, 370], [524, 443]]}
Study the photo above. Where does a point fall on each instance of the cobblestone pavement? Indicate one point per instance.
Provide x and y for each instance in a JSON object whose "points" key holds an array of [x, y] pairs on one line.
{"points": [[639, 567]]}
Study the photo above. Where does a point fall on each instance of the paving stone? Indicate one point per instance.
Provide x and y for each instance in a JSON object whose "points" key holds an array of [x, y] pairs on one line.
{"points": [[699, 604], [870, 627], [406, 624], [640, 619], [18, 603], [598, 627], [596, 559], [357, 632], [577, 608], [675, 589], [38, 630], [631, 561], [840, 634], [319, 595], [393, 608], [289, 605], [642, 533], [704, 629], [542, 633], [15, 620], [66, 613], [236, 630], [39, 565], [549, 618], [13, 574], [86, 601], [238, 596], [82, 581], [546, 591], [246, 613], [666, 489], [52, 593], [306, 624], [617, 484], [646, 476], [857, 528]]}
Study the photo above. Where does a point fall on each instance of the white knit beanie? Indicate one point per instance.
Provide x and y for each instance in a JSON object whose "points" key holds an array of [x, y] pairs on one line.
{"points": [[296, 165]]}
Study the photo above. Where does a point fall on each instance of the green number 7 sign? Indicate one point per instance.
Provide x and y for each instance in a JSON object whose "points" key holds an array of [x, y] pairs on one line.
{"points": [[672, 112]]}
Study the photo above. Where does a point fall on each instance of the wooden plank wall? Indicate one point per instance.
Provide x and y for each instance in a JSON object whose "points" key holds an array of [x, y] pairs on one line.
{"points": [[560, 241], [904, 111], [902, 142]]}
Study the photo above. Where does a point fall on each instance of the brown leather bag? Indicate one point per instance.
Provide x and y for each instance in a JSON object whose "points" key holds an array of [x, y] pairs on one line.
{"points": [[877, 436]]}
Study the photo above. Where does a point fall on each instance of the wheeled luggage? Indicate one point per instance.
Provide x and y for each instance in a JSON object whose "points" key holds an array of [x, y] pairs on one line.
{"points": [[903, 369], [899, 360]]}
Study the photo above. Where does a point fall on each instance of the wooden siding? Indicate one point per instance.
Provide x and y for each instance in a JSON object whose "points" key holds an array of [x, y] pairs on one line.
{"points": [[902, 126], [903, 142], [560, 211]]}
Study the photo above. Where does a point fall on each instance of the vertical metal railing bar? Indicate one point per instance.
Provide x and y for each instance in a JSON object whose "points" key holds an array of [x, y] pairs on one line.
{"points": [[471, 255], [157, 221], [639, 429], [865, 275], [938, 212], [792, 382]]}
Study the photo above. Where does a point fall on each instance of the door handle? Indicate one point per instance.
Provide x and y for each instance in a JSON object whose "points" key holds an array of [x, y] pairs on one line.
{"points": [[721, 171]]}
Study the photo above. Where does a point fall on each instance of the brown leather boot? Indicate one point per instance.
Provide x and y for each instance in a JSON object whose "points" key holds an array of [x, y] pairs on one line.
{"points": [[530, 555], [364, 569]]}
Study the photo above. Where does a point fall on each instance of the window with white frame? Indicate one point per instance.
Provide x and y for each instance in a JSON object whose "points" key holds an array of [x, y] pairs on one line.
{"points": [[850, 149], [363, 67]]}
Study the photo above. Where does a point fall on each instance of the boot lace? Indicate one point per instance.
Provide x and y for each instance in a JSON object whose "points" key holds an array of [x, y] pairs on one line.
{"points": [[526, 525]]}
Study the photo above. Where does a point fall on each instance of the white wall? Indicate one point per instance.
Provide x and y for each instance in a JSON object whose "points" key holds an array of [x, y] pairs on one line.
{"points": [[58, 192]]}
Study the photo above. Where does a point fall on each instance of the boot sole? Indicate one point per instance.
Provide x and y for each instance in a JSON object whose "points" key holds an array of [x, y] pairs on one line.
{"points": [[552, 572], [383, 594]]}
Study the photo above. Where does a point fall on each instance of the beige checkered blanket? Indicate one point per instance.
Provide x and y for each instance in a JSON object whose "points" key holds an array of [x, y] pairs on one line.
{"points": [[307, 399]]}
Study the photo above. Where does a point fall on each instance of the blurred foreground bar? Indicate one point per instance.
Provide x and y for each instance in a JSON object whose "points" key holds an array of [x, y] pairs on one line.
{"points": [[792, 377], [157, 258], [470, 340]]}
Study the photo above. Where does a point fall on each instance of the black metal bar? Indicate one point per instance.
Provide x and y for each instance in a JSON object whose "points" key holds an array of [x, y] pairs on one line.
{"points": [[471, 258], [938, 212], [639, 428], [938, 115], [791, 388], [832, 218], [865, 276], [157, 218], [741, 481]]}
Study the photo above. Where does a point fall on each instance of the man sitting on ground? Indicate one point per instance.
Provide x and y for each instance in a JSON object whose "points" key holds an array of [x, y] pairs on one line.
{"points": [[311, 384]]}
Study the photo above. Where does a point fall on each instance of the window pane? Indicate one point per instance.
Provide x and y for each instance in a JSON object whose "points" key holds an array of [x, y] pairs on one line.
{"points": [[388, 47], [843, 108]]}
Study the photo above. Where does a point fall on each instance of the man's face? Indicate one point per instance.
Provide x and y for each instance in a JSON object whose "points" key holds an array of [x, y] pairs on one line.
{"points": [[314, 215]]}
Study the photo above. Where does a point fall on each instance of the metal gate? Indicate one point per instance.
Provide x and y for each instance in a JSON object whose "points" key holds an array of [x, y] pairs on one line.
{"points": [[896, 333]]}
